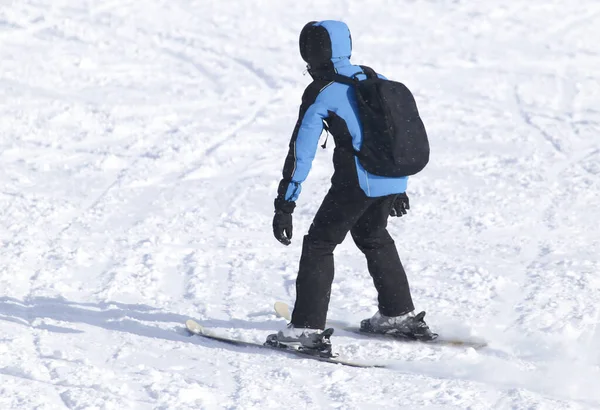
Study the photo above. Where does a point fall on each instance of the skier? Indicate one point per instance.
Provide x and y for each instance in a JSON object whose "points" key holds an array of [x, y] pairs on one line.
{"points": [[358, 201]]}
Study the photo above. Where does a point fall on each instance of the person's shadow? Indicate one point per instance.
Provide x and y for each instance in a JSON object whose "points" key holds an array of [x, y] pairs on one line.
{"points": [[121, 317]]}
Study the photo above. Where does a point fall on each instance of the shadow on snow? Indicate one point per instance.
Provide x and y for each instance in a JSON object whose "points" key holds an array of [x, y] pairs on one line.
{"points": [[121, 317]]}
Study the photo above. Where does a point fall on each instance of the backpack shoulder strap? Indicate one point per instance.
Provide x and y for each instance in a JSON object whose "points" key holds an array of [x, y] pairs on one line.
{"points": [[369, 72], [338, 78]]}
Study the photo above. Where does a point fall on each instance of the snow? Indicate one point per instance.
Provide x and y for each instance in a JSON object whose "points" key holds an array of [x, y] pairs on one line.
{"points": [[141, 144]]}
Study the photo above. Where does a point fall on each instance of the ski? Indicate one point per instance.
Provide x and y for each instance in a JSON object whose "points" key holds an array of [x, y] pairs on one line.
{"points": [[283, 310], [197, 329]]}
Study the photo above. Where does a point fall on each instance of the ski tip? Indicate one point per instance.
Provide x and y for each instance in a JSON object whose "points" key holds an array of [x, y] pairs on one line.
{"points": [[282, 310], [194, 327]]}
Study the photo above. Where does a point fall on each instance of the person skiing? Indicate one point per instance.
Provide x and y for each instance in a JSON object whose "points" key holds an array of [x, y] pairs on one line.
{"points": [[358, 201]]}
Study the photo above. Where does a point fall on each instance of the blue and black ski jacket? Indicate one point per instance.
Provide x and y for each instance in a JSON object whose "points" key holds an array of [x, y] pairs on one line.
{"points": [[333, 105]]}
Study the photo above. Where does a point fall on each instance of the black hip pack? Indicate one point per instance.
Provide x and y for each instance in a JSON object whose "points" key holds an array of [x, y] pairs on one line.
{"points": [[395, 142]]}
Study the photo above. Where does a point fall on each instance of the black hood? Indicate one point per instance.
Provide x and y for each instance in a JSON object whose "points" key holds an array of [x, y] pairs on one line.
{"points": [[323, 43]]}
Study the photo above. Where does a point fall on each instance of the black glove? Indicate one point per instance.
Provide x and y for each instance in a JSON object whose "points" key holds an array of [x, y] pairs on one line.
{"points": [[282, 227], [282, 221], [400, 205]]}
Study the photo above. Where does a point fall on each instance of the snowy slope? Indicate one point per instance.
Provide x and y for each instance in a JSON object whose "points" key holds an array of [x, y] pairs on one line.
{"points": [[141, 143]]}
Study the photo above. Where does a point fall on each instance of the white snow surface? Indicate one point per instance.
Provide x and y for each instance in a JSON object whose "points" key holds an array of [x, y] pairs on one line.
{"points": [[141, 144]]}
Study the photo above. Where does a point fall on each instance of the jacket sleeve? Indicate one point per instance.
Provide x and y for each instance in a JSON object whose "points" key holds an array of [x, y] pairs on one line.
{"points": [[303, 144]]}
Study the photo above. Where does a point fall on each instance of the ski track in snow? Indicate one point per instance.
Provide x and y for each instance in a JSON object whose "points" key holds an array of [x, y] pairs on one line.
{"points": [[141, 145]]}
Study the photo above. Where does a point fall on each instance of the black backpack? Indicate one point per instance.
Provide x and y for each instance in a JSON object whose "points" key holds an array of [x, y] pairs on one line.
{"points": [[394, 142]]}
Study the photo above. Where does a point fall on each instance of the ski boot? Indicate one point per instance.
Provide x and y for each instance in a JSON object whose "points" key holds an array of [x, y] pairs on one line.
{"points": [[407, 326], [310, 341]]}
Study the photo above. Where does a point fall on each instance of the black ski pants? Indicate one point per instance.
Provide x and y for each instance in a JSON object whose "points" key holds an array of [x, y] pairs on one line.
{"points": [[366, 218]]}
